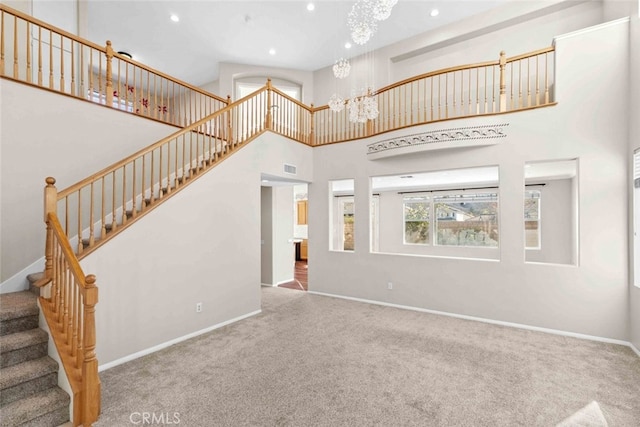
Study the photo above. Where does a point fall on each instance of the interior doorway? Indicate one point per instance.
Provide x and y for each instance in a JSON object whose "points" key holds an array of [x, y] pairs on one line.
{"points": [[284, 236]]}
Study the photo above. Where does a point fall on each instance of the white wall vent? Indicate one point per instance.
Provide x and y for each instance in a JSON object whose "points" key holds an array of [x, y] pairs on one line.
{"points": [[290, 169]]}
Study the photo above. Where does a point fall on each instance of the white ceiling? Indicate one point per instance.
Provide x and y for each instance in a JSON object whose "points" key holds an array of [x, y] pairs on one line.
{"points": [[242, 32]]}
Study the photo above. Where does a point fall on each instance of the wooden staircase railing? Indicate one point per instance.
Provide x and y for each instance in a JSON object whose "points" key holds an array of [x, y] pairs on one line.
{"points": [[68, 300], [39, 54], [98, 207]]}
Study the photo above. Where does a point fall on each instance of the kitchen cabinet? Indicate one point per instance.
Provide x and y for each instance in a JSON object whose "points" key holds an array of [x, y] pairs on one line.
{"points": [[302, 212], [303, 249]]}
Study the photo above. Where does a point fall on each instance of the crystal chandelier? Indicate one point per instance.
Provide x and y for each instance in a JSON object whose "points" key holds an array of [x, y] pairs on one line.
{"points": [[382, 9], [336, 103], [362, 108], [362, 22], [341, 68]]}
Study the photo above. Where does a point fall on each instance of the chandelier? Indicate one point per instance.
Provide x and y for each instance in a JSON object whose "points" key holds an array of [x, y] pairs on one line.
{"points": [[364, 16], [341, 68], [361, 21], [336, 103], [362, 108]]}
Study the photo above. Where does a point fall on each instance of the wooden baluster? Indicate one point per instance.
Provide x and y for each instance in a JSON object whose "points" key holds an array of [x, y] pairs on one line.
{"points": [[28, 38], [50, 206], [312, 126], [486, 103], [109, 77], [148, 99], [76, 316], [2, 42], [228, 124], [513, 105], [101, 94], [124, 194], [493, 90], [50, 59], [82, 91], [55, 289], [143, 206], [175, 167], [91, 219], [39, 56], [114, 222], [546, 77], [155, 97], [15, 47], [90, 71], [103, 225], [160, 192], [67, 228], [80, 245], [528, 82], [90, 379], [66, 316], [537, 77], [62, 86], [503, 84], [153, 194], [134, 195], [73, 69]]}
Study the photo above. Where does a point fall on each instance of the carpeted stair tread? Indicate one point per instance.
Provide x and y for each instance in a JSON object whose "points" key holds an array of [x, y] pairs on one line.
{"points": [[18, 304], [45, 408], [26, 371], [22, 346], [34, 277]]}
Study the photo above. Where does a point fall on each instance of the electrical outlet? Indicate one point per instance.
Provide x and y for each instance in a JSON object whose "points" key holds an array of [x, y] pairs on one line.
{"points": [[198, 307], [389, 285]]}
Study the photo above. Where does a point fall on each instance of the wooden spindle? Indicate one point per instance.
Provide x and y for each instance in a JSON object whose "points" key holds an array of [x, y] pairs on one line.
{"points": [[73, 69], [143, 205], [546, 76], [2, 42], [134, 196], [15, 47], [91, 217], [80, 245], [28, 38], [103, 225], [124, 194], [114, 222], [50, 59], [62, 87]]}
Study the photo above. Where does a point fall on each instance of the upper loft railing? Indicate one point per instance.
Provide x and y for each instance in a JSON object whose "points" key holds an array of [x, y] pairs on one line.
{"points": [[34, 52], [506, 85]]}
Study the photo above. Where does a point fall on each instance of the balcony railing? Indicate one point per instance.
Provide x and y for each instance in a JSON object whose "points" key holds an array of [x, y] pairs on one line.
{"points": [[39, 54]]}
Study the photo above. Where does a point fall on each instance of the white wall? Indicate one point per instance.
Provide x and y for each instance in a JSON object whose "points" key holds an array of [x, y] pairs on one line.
{"points": [[200, 245], [72, 140], [592, 298]]}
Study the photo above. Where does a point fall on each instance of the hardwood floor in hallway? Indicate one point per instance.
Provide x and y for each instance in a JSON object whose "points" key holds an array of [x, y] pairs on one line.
{"points": [[299, 277]]}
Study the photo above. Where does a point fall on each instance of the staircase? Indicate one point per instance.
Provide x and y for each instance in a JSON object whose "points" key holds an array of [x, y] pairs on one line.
{"points": [[29, 392]]}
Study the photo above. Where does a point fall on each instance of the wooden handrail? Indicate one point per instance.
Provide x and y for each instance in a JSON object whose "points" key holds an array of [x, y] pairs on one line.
{"points": [[530, 54], [109, 169], [292, 100], [69, 309]]}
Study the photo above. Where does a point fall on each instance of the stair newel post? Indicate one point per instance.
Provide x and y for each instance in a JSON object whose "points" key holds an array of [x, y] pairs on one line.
{"points": [[50, 206], [109, 76], [503, 84], [312, 129], [90, 380], [269, 119]]}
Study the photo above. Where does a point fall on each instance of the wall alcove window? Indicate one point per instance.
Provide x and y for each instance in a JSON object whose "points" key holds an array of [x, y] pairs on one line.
{"points": [[342, 215], [551, 212]]}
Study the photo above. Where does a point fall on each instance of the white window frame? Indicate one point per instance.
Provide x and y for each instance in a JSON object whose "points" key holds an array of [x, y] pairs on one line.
{"points": [[416, 198], [539, 220]]}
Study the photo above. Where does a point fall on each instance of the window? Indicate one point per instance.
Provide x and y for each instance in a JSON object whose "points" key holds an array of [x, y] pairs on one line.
{"points": [[342, 215], [467, 219], [532, 219], [417, 213]]}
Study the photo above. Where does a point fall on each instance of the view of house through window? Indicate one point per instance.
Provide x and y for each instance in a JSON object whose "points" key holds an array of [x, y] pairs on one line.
{"points": [[342, 215], [532, 219], [450, 212]]}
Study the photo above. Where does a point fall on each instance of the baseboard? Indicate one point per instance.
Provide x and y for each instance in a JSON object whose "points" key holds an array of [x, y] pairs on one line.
{"points": [[18, 282], [282, 282], [634, 349], [158, 347], [482, 319]]}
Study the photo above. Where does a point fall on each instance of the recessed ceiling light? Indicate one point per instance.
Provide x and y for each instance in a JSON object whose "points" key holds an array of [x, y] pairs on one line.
{"points": [[347, 45], [175, 18], [435, 12], [272, 51], [311, 7]]}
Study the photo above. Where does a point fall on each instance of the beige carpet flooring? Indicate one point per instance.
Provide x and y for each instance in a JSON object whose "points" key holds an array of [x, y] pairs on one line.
{"points": [[309, 360]]}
